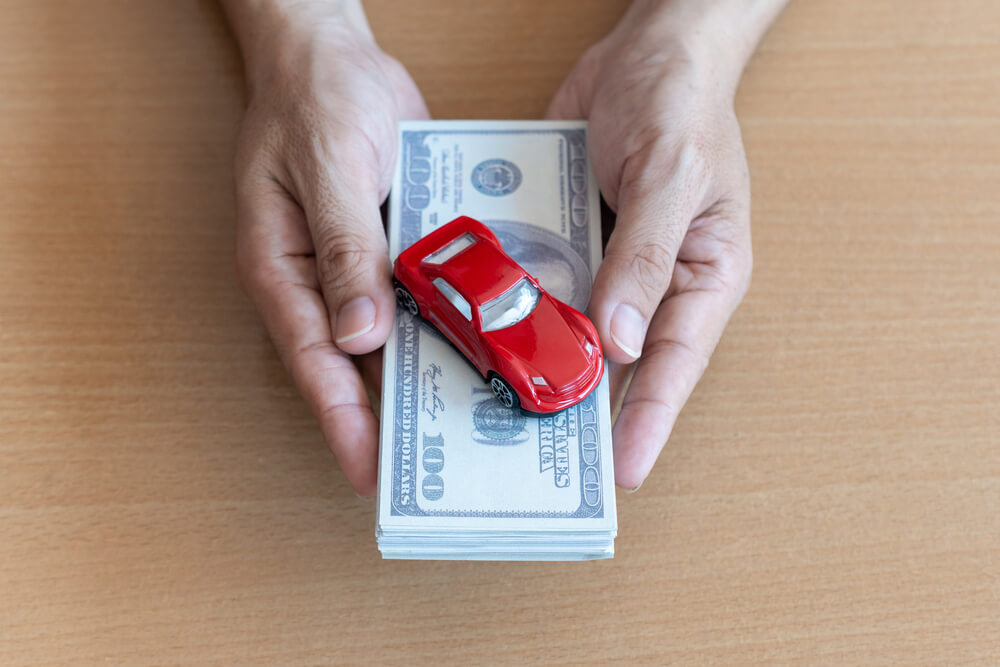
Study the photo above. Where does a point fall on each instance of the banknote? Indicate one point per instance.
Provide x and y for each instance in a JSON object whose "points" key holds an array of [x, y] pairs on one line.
{"points": [[453, 461]]}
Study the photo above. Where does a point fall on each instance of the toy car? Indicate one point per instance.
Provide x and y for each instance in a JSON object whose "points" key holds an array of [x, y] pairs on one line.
{"points": [[537, 353]]}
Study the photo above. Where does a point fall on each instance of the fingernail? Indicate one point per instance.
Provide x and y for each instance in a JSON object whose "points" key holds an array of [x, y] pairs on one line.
{"points": [[355, 318], [628, 329], [367, 499], [631, 491]]}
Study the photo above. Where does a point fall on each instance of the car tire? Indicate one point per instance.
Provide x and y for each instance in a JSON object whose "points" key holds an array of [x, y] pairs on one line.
{"points": [[406, 300], [504, 393]]}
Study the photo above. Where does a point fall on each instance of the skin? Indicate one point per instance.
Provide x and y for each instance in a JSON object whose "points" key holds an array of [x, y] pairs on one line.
{"points": [[315, 159]]}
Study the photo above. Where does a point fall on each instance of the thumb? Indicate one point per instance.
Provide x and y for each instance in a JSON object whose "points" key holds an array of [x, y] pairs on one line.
{"points": [[352, 261], [655, 207]]}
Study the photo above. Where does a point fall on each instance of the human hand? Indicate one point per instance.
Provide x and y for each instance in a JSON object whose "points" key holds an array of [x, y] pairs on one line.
{"points": [[314, 161], [667, 152]]}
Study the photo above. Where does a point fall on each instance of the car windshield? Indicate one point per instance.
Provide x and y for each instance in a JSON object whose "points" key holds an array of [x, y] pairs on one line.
{"points": [[510, 307]]}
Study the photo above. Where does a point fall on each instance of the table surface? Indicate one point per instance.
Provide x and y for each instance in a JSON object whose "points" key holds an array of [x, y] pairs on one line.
{"points": [[831, 492]]}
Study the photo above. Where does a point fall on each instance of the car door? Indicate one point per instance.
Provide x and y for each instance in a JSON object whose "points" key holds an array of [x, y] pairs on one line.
{"points": [[453, 315]]}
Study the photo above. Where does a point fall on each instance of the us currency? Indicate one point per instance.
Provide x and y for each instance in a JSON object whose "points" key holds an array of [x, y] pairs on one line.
{"points": [[453, 461]]}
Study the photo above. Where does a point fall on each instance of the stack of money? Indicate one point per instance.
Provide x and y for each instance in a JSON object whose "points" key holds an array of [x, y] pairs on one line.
{"points": [[460, 475]]}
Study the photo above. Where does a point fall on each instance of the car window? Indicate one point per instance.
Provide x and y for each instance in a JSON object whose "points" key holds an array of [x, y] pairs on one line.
{"points": [[461, 305], [455, 246], [510, 307]]}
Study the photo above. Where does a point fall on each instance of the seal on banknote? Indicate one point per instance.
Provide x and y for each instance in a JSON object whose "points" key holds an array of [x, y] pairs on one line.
{"points": [[496, 425], [496, 177]]}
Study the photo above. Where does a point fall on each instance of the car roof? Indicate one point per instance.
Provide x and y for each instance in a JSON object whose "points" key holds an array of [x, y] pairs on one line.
{"points": [[482, 271]]}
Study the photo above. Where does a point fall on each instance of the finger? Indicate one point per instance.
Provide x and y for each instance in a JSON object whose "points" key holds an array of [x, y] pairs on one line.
{"points": [[339, 192], [619, 376], [682, 337], [566, 103], [656, 203], [370, 367], [281, 280]]}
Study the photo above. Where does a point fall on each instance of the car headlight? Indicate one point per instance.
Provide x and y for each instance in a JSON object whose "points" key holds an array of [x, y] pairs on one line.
{"points": [[539, 381]]}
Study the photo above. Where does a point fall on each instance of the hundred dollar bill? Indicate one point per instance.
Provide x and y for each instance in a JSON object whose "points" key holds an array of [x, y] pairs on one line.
{"points": [[453, 460]]}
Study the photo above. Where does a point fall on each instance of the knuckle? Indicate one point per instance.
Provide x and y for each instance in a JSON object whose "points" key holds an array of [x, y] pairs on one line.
{"points": [[698, 357], [652, 263], [662, 404], [649, 266], [344, 259], [695, 158]]}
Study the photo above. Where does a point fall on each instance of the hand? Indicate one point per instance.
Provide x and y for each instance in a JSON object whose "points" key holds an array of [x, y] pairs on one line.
{"points": [[314, 160], [666, 149]]}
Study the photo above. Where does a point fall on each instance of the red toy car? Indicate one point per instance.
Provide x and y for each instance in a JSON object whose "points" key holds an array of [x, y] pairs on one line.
{"points": [[537, 353]]}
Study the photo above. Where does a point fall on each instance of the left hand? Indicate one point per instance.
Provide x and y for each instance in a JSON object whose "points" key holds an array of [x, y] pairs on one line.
{"points": [[667, 152]]}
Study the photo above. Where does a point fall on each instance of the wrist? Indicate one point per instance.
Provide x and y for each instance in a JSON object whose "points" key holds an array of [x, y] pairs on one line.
{"points": [[717, 36], [270, 32]]}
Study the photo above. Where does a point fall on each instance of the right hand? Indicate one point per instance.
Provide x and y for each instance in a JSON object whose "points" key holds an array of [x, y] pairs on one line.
{"points": [[314, 161]]}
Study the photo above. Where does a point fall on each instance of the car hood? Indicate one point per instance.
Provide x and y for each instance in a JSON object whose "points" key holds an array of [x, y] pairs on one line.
{"points": [[547, 344]]}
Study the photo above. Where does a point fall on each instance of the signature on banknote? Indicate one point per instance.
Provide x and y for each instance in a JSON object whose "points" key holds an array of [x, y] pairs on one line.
{"points": [[430, 391]]}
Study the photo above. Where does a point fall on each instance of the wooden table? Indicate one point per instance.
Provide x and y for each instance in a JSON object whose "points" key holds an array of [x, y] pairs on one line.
{"points": [[831, 493]]}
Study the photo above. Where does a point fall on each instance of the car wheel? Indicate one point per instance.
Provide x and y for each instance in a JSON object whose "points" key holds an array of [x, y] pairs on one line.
{"points": [[407, 301], [504, 393]]}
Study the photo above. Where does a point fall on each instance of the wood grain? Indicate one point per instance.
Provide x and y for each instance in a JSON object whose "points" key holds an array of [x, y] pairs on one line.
{"points": [[831, 493]]}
